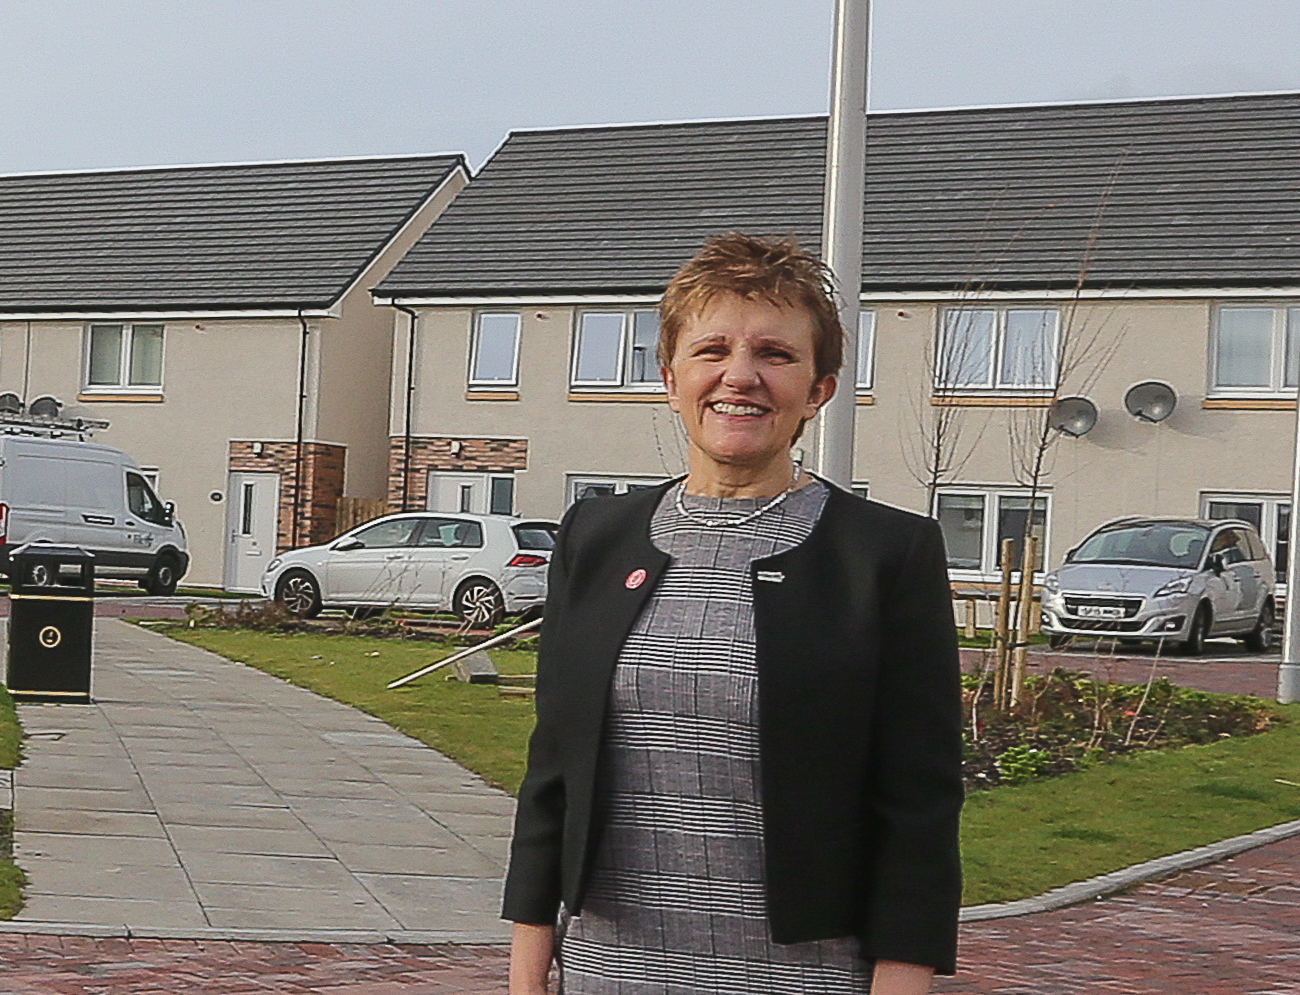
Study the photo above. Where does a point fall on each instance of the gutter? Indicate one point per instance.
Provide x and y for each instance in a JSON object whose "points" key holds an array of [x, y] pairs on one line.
{"points": [[297, 458], [410, 394]]}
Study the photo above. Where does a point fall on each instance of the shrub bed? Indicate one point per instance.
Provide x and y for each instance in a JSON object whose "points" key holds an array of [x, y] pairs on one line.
{"points": [[1068, 721]]}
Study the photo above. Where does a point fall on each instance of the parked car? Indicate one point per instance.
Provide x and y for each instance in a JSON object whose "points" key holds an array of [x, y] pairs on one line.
{"points": [[481, 567], [1167, 579], [76, 493]]}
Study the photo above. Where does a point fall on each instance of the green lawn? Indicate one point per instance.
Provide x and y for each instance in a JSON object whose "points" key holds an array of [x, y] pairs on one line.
{"points": [[12, 878], [1016, 841]]}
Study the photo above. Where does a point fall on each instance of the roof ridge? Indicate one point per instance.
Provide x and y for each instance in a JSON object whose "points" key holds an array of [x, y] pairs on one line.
{"points": [[194, 166]]}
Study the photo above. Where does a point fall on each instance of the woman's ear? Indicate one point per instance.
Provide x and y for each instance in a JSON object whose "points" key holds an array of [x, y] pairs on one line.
{"points": [[670, 385], [822, 391]]}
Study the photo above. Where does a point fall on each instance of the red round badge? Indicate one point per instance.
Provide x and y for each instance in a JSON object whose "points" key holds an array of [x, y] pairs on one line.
{"points": [[635, 579]]}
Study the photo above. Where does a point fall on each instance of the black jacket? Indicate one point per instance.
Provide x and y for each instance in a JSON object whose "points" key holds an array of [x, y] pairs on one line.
{"points": [[859, 723]]}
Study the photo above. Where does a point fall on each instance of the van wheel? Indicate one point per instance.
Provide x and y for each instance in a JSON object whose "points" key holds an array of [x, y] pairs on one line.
{"points": [[163, 577], [298, 591]]}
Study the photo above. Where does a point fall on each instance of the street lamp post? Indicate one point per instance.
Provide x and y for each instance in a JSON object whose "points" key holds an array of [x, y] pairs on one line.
{"points": [[846, 156]]}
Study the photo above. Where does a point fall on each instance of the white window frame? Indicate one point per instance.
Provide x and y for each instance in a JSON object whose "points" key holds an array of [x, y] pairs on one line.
{"points": [[1277, 385], [122, 386], [866, 372], [621, 483], [478, 383], [1269, 502], [626, 345], [994, 383], [989, 551]]}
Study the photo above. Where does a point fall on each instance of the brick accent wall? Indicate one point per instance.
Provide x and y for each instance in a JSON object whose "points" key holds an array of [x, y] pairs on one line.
{"points": [[323, 465], [435, 453]]}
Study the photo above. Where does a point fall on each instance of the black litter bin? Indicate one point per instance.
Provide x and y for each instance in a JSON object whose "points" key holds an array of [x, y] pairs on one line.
{"points": [[51, 618]]}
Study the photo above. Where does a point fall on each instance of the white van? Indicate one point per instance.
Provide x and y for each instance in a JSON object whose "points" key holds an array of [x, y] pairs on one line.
{"points": [[67, 491]]}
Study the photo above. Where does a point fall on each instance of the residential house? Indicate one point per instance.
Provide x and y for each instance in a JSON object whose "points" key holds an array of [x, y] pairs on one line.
{"points": [[219, 318], [1012, 256]]}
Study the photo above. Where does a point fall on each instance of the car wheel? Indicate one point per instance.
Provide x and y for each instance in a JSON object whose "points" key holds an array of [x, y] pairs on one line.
{"points": [[298, 591], [163, 577], [1260, 638], [1057, 641], [479, 603], [1194, 644]]}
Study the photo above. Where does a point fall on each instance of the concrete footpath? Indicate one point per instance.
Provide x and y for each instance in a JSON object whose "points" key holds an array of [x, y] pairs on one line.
{"points": [[202, 799]]}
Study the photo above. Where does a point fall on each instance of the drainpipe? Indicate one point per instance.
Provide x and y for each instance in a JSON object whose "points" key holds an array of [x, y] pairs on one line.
{"points": [[297, 457], [410, 394]]}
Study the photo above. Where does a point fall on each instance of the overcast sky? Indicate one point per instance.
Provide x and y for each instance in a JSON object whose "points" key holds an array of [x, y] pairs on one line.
{"points": [[103, 83]]}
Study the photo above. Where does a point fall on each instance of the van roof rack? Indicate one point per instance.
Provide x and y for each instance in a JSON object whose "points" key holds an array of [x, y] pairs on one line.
{"points": [[13, 423]]}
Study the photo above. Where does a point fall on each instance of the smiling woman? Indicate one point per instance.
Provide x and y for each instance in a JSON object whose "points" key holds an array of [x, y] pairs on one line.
{"points": [[746, 770]]}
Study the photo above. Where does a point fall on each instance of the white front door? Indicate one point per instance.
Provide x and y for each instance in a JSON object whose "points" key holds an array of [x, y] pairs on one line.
{"points": [[252, 510]]}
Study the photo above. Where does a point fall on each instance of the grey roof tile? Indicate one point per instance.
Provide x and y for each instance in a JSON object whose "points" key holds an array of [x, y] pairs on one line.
{"points": [[257, 235], [1166, 192]]}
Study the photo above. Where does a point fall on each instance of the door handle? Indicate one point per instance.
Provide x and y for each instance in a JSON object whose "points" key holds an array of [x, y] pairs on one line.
{"points": [[394, 556], [460, 556]]}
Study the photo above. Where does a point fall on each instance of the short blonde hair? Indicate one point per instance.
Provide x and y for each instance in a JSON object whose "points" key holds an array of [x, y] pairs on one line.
{"points": [[752, 268]]}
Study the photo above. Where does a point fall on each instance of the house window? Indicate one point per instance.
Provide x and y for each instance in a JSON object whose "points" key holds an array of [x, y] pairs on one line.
{"points": [[1269, 513], [494, 353], [617, 349], [581, 486], [997, 349], [866, 350], [1256, 350], [975, 522], [125, 357]]}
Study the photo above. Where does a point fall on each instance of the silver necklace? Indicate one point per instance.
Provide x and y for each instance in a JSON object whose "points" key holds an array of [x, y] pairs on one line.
{"points": [[731, 523]]}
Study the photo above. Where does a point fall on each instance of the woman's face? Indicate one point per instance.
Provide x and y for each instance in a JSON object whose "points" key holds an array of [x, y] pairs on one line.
{"points": [[743, 380]]}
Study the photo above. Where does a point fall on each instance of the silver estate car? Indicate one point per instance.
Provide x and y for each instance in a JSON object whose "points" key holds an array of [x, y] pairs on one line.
{"points": [[480, 567], [1167, 579]]}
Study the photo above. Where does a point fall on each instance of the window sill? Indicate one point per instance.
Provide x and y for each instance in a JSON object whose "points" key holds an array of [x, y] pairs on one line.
{"points": [[618, 396], [96, 397], [991, 400], [1249, 403], [865, 399], [491, 395]]}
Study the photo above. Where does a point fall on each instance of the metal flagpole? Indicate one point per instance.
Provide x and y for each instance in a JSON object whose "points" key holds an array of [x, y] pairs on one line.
{"points": [[846, 155], [1288, 673]]}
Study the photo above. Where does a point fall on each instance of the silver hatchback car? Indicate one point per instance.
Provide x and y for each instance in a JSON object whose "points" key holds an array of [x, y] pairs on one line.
{"points": [[1166, 579], [479, 566]]}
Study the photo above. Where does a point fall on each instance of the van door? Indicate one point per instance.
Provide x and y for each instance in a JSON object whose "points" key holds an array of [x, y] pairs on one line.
{"points": [[252, 512]]}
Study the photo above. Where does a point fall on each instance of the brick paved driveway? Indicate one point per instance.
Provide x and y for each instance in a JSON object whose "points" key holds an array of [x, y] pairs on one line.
{"points": [[1232, 927]]}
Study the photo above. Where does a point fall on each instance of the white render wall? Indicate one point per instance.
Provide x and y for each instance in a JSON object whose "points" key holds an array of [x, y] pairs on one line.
{"points": [[1122, 467]]}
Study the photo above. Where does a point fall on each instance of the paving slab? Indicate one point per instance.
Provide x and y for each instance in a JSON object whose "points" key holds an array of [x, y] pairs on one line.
{"points": [[201, 796]]}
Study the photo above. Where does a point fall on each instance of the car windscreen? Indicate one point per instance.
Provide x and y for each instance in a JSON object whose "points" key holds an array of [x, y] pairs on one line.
{"points": [[535, 535], [1154, 545]]}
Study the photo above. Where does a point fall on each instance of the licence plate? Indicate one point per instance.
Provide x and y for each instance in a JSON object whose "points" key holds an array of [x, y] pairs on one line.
{"points": [[1100, 611]]}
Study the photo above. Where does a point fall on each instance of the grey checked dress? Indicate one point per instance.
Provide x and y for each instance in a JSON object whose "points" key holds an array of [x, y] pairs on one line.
{"points": [[676, 903]]}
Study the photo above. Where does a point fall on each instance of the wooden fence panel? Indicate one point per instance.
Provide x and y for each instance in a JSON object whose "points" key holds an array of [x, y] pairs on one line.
{"points": [[354, 511]]}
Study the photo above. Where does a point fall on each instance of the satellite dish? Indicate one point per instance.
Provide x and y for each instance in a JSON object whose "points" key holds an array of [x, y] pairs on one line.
{"points": [[45, 407], [1151, 401], [11, 404], [1075, 416]]}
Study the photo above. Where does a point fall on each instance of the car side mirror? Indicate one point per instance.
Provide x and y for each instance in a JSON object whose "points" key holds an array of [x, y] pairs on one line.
{"points": [[1069, 555], [348, 544], [1216, 563], [169, 514]]}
